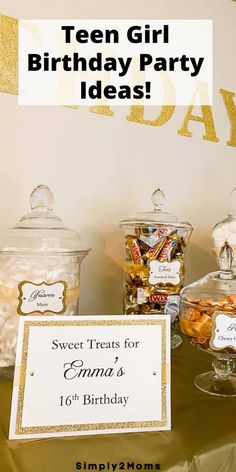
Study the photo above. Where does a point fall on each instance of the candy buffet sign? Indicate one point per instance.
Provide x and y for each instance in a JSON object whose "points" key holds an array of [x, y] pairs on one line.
{"points": [[91, 375]]}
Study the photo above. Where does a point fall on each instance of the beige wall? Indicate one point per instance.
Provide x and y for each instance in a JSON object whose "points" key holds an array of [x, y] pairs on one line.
{"points": [[102, 169]]}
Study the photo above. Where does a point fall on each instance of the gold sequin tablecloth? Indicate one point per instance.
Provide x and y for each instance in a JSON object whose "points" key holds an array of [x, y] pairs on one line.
{"points": [[202, 439]]}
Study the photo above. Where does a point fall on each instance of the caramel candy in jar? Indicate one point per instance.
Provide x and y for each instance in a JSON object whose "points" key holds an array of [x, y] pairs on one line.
{"points": [[208, 318], [39, 270], [155, 245]]}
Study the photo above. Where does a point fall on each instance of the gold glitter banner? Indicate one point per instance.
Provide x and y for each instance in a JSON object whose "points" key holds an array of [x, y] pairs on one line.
{"points": [[8, 54], [9, 84]]}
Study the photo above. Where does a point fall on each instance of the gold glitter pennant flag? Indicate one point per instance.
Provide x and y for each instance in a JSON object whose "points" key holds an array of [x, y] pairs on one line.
{"points": [[8, 54]]}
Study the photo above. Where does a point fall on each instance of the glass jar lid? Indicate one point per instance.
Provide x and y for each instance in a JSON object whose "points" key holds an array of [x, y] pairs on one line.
{"points": [[225, 230], [216, 289], [155, 217], [41, 231]]}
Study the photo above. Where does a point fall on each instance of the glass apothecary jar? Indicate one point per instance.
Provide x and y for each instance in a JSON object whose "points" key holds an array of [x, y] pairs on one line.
{"points": [[39, 270], [155, 245], [225, 230], [208, 319]]}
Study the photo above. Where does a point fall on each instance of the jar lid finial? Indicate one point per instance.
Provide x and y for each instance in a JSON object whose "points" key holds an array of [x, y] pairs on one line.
{"points": [[42, 199], [225, 261], [158, 199]]}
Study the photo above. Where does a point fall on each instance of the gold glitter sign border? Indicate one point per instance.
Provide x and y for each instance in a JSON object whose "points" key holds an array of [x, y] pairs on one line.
{"points": [[21, 430]]}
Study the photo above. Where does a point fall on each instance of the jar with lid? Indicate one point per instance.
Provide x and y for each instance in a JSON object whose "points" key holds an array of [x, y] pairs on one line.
{"points": [[39, 270], [208, 319], [225, 230], [155, 245]]}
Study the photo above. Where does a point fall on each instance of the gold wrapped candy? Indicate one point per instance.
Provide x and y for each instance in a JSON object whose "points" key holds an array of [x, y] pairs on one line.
{"points": [[196, 321], [161, 244]]}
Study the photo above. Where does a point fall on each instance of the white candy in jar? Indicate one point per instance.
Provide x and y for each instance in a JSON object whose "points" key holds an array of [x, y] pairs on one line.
{"points": [[39, 270]]}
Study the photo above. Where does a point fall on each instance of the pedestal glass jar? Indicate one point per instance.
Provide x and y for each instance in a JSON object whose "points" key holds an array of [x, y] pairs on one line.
{"points": [[208, 319], [39, 270], [155, 245]]}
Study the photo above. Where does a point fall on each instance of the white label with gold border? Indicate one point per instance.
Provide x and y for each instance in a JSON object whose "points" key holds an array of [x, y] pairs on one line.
{"points": [[224, 331], [41, 298], [91, 375], [164, 272]]}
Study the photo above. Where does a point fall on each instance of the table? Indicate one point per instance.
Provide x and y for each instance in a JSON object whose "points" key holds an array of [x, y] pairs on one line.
{"points": [[202, 439]]}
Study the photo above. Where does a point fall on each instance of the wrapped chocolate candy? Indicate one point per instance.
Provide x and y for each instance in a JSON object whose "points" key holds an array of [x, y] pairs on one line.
{"points": [[155, 244], [208, 318]]}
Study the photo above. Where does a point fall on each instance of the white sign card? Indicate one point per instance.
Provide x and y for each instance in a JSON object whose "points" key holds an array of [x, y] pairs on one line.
{"points": [[78, 375]]}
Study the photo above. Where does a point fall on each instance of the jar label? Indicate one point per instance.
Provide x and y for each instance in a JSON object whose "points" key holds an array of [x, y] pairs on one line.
{"points": [[164, 272], [42, 298], [223, 331]]}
